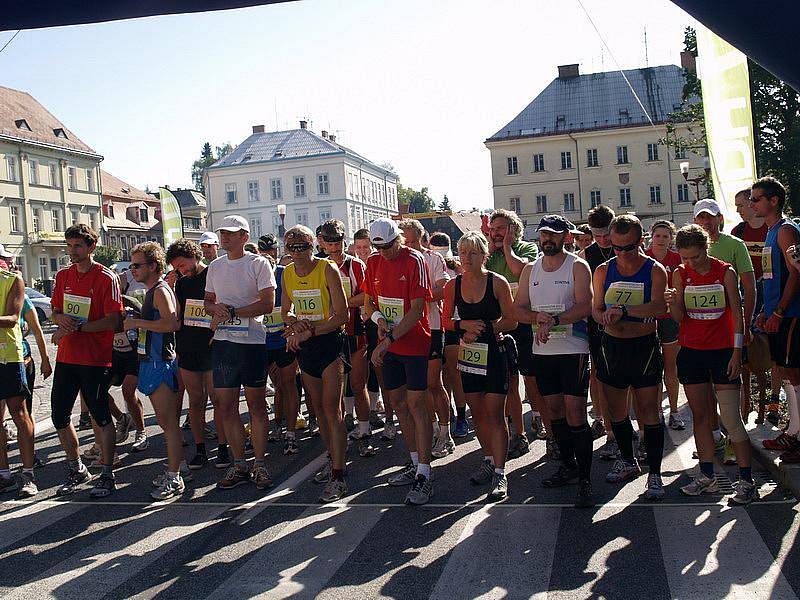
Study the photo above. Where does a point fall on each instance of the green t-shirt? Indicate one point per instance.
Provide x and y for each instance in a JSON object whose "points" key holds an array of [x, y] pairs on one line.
{"points": [[732, 250], [497, 260]]}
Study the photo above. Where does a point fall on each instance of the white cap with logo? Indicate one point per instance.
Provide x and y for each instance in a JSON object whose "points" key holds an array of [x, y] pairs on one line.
{"points": [[5, 253], [209, 237], [708, 205], [234, 223], [383, 231]]}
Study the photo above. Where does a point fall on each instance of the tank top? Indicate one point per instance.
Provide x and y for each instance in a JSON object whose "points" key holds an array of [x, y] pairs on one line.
{"points": [[273, 322], [309, 294], [10, 337], [473, 358], [155, 346], [630, 290], [775, 272], [554, 292], [351, 284], [670, 263], [708, 321]]}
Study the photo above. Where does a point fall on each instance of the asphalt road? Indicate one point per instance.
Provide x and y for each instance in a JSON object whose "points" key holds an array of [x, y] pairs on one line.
{"points": [[283, 543]]}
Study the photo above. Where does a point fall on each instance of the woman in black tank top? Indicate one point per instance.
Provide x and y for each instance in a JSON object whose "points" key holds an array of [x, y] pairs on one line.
{"points": [[478, 306]]}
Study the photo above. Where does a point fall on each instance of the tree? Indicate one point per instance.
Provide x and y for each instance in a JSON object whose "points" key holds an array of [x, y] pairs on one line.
{"points": [[207, 158], [444, 205], [106, 255], [416, 201]]}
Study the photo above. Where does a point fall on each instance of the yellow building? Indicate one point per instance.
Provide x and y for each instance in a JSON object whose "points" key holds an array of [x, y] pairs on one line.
{"points": [[585, 140], [49, 180]]}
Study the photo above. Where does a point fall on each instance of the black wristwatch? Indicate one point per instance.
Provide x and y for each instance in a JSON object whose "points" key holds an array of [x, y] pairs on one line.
{"points": [[390, 335], [232, 312], [556, 320], [624, 309]]}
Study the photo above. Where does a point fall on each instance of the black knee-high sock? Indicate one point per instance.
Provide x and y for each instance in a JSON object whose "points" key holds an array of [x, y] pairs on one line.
{"points": [[623, 432], [654, 444], [563, 438], [582, 442]]}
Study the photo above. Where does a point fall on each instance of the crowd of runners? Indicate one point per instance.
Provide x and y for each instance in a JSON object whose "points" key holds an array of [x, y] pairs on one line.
{"points": [[396, 325]]}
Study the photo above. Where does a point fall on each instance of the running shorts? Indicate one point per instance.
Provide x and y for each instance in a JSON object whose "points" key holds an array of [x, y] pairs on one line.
{"points": [[702, 366], [93, 382], [236, 365], [410, 371], [562, 374], [153, 373], [630, 362], [784, 345]]}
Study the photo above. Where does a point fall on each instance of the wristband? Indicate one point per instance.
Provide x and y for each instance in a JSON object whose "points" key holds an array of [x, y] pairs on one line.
{"points": [[377, 315], [738, 340]]}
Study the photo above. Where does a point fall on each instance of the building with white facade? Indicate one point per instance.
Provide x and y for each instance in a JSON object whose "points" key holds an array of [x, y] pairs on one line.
{"points": [[313, 176], [585, 140]]}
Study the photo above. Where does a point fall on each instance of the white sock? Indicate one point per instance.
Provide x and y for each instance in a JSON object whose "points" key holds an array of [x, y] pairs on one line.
{"points": [[363, 427], [349, 403], [500, 470], [490, 459], [373, 400], [414, 458], [792, 393], [424, 470], [717, 435]]}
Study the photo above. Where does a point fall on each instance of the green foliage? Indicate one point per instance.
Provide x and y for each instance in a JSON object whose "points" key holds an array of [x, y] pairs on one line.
{"points": [[106, 255], [444, 205], [207, 158], [416, 201]]}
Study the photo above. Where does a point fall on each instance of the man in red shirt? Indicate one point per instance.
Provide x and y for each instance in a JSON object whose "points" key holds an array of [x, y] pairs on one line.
{"points": [[398, 288], [87, 307]]}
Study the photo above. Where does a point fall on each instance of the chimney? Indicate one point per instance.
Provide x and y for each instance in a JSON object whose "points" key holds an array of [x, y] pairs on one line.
{"points": [[324, 134], [688, 61], [303, 124], [258, 129], [332, 138], [567, 71]]}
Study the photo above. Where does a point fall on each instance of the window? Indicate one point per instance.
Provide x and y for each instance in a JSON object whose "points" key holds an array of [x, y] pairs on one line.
{"points": [[275, 187], [569, 202], [538, 162], [33, 170], [652, 152], [680, 153], [625, 197], [53, 265], [143, 216], [323, 187], [230, 193], [622, 155], [37, 219], [142, 239], [566, 160], [512, 165], [14, 218], [22, 124], [110, 211], [324, 214], [596, 198], [591, 157], [255, 227], [301, 217], [55, 220], [72, 173], [541, 204], [93, 221], [655, 194], [73, 213], [683, 192], [300, 187], [60, 133], [276, 223], [53, 174], [11, 168], [90, 180], [513, 205], [43, 267], [253, 194]]}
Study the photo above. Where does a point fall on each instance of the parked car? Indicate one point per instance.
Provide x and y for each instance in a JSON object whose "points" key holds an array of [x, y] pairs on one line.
{"points": [[41, 303]]}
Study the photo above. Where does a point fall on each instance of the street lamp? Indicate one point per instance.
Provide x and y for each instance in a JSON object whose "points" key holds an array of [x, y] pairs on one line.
{"points": [[282, 226], [696, 180]]}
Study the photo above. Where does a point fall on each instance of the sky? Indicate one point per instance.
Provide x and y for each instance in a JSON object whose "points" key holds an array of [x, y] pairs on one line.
{"points": [[417, 84]]}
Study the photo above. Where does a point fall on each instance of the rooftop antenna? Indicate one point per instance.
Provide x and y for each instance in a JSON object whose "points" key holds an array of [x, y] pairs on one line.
{"points": [[646, 60]]}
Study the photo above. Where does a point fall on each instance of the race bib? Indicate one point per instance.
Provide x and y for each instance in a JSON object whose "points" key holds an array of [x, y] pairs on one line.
{"points": [[308, 304], [514, 288], [348, 287], [195, 314], [629, 293], [558, 331], [706, 302], [141, 342], [392, 308], [121, 343], [77, 307], [273, 322], [473, 358], [236, 327], [766, 262], [139, 295]]}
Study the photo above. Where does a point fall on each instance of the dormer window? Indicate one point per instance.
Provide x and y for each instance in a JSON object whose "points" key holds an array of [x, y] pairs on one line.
{"points": [[22, 124], [60, 133]]}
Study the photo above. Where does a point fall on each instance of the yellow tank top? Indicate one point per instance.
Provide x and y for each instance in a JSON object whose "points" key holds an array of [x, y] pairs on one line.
{"points": [[10, 337], [309, 294]]}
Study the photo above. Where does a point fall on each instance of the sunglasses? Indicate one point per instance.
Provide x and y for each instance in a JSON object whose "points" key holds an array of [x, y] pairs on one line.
{"points": [[298, 247], [383, 246], [332, 238], [139, 265], [756, 199], [627, 248]]}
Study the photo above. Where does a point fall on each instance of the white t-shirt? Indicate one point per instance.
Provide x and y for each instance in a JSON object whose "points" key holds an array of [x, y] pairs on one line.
{"points": [[135, 288], [237, 283], [437, 269]]}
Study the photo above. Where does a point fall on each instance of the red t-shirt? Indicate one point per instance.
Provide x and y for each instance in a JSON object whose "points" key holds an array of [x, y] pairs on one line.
{"points": [[392, 285], [101, 288], [754, 241], [708, 322]]}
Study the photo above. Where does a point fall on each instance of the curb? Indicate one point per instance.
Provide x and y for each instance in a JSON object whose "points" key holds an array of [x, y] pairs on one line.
{"points": [[787, 476]]}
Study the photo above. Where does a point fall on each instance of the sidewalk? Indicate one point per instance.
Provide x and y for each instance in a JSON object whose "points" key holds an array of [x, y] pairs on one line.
{"points": [[787, 476]]}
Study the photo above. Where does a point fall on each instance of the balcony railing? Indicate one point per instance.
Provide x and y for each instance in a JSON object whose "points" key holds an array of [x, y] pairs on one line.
{"points": [[42, 237]]}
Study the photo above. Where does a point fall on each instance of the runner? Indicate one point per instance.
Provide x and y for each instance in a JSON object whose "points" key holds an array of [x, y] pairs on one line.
{"points": [[268, 246], [352, 274], [583, 239], [779, 317], [158, 369], [437, 398], [705, 301], [398, 287], [556, 296], [314, 311], [662, 234], [209, 243], [509, 255], [14, 387], [87, 307], [240, 289], [628, 295]]}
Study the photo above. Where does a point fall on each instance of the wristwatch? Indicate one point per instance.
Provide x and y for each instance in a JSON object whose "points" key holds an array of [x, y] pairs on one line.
{"points": [[390, 335], [556, 320], [232, 312]]}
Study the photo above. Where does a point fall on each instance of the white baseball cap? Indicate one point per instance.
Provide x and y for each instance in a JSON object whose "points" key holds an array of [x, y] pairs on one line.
{"points": [[707, 205], [5, 253], [234, 223], [382, 231], [209, 237]]}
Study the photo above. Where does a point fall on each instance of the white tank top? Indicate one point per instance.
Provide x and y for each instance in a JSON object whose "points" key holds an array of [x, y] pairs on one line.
{"points": [[554, 293]]}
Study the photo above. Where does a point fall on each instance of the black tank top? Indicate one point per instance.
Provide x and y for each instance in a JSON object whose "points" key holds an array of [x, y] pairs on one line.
{"points": [[488, 309]]}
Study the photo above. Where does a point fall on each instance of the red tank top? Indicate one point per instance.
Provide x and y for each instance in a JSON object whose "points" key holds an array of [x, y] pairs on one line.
{"points": [[708, 322]]}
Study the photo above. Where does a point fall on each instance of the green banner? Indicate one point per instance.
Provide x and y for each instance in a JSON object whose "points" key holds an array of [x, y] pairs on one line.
{"points": [[729, 121], [171, 218]]}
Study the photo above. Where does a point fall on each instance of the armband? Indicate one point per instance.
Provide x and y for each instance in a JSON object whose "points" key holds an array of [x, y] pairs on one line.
{"points": [[377, 315], [738, 340]]}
